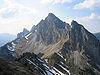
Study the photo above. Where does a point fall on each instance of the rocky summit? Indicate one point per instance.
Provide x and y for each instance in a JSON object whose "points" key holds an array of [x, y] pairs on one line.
{"points": [[21, 34], [54, 47]]}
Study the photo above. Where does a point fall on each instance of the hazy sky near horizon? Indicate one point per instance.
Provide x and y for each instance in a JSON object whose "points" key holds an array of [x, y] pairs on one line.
{"points": [[18, 14]]}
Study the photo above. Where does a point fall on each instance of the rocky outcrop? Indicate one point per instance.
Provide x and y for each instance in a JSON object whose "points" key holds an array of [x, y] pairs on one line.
{"points": [[21, 34]]}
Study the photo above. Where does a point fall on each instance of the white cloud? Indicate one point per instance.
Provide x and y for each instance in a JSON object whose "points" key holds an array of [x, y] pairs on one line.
{"points": [[88, 4], [88, 18], [14, 17], [46, 1], [68, 7], [56, 1], [93, 16], [18, 9], [99, 17]]}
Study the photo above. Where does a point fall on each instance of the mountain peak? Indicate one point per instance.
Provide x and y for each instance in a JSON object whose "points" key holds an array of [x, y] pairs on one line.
{"points": [[25, 30], [52, 20], [51, 15], [21, 34], [74, 22]]}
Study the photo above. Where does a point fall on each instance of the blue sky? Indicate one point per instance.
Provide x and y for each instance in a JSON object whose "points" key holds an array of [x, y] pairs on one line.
{"points": [[18, 14]]}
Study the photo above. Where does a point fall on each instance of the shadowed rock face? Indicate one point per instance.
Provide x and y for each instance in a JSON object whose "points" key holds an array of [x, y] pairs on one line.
{"points": [[81, 52], [97, 35], [83, 39], [62, 43]]}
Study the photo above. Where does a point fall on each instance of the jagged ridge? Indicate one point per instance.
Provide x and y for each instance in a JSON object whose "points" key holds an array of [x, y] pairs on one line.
{"points": [[74, 42]]}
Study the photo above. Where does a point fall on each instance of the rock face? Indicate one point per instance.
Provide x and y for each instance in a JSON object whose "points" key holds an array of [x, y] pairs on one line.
{"points": [[44, 36], [97, 35], [69, 49], [21, 34], [82, 50], [81, 39], [50, 30]]}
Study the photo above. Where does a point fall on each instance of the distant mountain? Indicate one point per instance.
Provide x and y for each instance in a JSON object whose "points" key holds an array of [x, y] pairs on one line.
{"points": [[21, 34], [5, 37], [66, 49], [97, 35]]}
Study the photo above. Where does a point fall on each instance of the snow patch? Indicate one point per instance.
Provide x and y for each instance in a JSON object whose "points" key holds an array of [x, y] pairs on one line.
{"points": [[40, 60], [30, 62], [60, 55], [14, 55], [46, 60], [46, 66], [87, 63], [26, 37], [10, 48], [35, 30], [58, 71], [29, 34], [61, 62], [54, 72], [59, 52], [65, 69], [13, 45], [48, 73], [65, 59]]}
